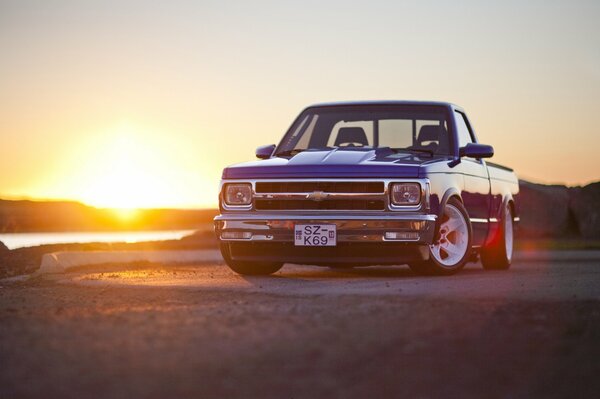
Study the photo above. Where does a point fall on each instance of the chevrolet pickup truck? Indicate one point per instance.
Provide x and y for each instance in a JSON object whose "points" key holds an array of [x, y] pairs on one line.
{"points": [[370, 183]]}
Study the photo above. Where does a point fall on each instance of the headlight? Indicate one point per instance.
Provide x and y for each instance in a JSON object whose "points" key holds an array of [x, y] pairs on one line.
{"points": [[238, 194], [405, 193]]}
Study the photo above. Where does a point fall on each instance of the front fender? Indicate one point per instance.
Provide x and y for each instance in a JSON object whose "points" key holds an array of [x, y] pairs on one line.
{"points": [[451, 192]]}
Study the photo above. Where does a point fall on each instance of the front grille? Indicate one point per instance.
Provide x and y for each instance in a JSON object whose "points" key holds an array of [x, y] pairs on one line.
{"points": [[320, 195], [328, 187], [351, 204]]}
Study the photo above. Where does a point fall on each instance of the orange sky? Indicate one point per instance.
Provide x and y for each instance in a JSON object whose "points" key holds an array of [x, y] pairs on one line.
{"points": [[128, 104]]}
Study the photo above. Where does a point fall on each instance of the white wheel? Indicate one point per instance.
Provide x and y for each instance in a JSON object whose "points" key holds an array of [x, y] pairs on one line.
{"points": [[451, 249], [453, 242], [508, 233]]}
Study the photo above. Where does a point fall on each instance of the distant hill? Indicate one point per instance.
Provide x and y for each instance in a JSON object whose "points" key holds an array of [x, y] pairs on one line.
{"points": [[547, 211], [38, 216]]}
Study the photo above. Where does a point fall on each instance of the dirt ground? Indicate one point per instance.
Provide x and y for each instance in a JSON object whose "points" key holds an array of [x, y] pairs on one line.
{"points": [[157, 331]]}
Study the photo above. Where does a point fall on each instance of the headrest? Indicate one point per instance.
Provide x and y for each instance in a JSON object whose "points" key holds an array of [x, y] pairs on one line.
{"points": [[351, 135], [431, 133]]}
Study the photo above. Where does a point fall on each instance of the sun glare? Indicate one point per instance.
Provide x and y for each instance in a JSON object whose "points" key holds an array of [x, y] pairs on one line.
{"points": [[129, 170], [126, 214], [128, 167]]}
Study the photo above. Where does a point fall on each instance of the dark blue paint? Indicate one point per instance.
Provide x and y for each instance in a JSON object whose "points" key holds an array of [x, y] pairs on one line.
{"points": [[483, 188], [360, 163]]}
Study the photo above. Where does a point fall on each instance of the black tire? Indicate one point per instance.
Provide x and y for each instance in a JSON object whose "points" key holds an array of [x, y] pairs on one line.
{"points": [[496, 255], [448, 266], [249, 268]]}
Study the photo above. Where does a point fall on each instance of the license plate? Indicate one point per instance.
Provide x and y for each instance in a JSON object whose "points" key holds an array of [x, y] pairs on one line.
{"points": [[315, 235]]}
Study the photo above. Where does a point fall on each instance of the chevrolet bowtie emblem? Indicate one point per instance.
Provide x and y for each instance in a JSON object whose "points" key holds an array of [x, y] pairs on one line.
{"points": [[317, 196]]}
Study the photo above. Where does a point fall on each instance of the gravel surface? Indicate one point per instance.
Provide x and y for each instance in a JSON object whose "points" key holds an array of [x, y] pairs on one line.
{"points": [[158, 331]]}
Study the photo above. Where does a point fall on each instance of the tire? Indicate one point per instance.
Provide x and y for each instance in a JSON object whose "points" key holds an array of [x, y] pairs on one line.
{"points": [[248, 268], [451, 249], [497, 255]]}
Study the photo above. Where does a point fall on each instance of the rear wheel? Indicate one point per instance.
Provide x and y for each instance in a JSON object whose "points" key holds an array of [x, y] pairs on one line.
{"points": [[451, 249], [249, 268], [498, 254]]}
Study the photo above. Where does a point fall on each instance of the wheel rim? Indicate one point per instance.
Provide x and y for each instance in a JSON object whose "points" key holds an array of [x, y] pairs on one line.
{"points": [[508, 232], [453, 239]]}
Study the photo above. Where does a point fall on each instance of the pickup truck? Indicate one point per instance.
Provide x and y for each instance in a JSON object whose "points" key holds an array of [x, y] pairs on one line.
{"points": [[370, 183]]}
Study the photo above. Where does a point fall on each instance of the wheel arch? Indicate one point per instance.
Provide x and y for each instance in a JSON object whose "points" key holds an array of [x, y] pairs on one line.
{"points": [[450, 193], [508, 200], [436, 265]]}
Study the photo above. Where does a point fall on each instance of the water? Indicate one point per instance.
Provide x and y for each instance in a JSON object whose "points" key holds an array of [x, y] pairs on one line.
{"points": [[20, 240]]}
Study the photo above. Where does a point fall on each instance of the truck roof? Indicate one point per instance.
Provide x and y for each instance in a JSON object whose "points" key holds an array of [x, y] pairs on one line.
{"points": [[388, 102]]}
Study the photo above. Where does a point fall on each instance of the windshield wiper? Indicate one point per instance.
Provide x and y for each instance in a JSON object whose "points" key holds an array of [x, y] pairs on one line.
{"points": [[295, 151], [421, 150], [288, 153]]}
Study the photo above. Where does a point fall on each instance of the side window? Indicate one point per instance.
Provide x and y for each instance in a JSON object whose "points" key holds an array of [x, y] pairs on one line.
{"points": [[464, 136]]}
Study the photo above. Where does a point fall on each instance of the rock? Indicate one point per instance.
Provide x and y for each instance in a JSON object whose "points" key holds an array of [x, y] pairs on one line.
{"points": [[584, 205], [544, 210], [3, 248]]}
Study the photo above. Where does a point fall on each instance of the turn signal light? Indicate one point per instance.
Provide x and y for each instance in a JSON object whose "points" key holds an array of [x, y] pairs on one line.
{"points": [[236, 235], [401, 235]]}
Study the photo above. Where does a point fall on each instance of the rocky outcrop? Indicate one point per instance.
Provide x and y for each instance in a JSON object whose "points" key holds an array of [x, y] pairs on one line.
{"points": [[544, 210], [554, 211], [585, 207], [3, 248]]}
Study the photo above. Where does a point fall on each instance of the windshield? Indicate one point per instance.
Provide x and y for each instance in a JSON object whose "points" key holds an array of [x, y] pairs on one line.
{"points": [[411, 128]]}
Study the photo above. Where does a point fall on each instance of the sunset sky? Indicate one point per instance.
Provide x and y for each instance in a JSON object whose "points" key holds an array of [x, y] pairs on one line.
{"points": [[141, 104]]}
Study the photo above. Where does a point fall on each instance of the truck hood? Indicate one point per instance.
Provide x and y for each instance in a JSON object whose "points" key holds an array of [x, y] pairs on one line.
{"points": [[335, 163]]}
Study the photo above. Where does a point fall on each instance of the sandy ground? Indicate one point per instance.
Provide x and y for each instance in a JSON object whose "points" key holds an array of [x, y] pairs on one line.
{"points": [[160, 331]]}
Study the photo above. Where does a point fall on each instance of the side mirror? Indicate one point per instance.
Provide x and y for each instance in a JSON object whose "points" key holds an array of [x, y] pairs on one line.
{"points": [[265, 151], [474, 150]]}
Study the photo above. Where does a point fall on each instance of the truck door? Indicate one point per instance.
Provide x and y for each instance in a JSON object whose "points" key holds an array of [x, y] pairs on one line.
{"points": [[476, 192]]}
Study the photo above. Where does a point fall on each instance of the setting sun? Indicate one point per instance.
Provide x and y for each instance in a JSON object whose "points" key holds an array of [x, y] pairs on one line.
{"points": [[126, 214], [127, 172], [128, 167]]}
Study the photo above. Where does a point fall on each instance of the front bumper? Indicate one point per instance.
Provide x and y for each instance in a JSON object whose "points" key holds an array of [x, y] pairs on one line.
{"points": [[361, 239], [356, 228]]}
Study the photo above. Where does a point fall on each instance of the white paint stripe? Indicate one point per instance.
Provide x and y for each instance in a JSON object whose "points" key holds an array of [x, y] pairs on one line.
{"points": [[478, 220]]}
